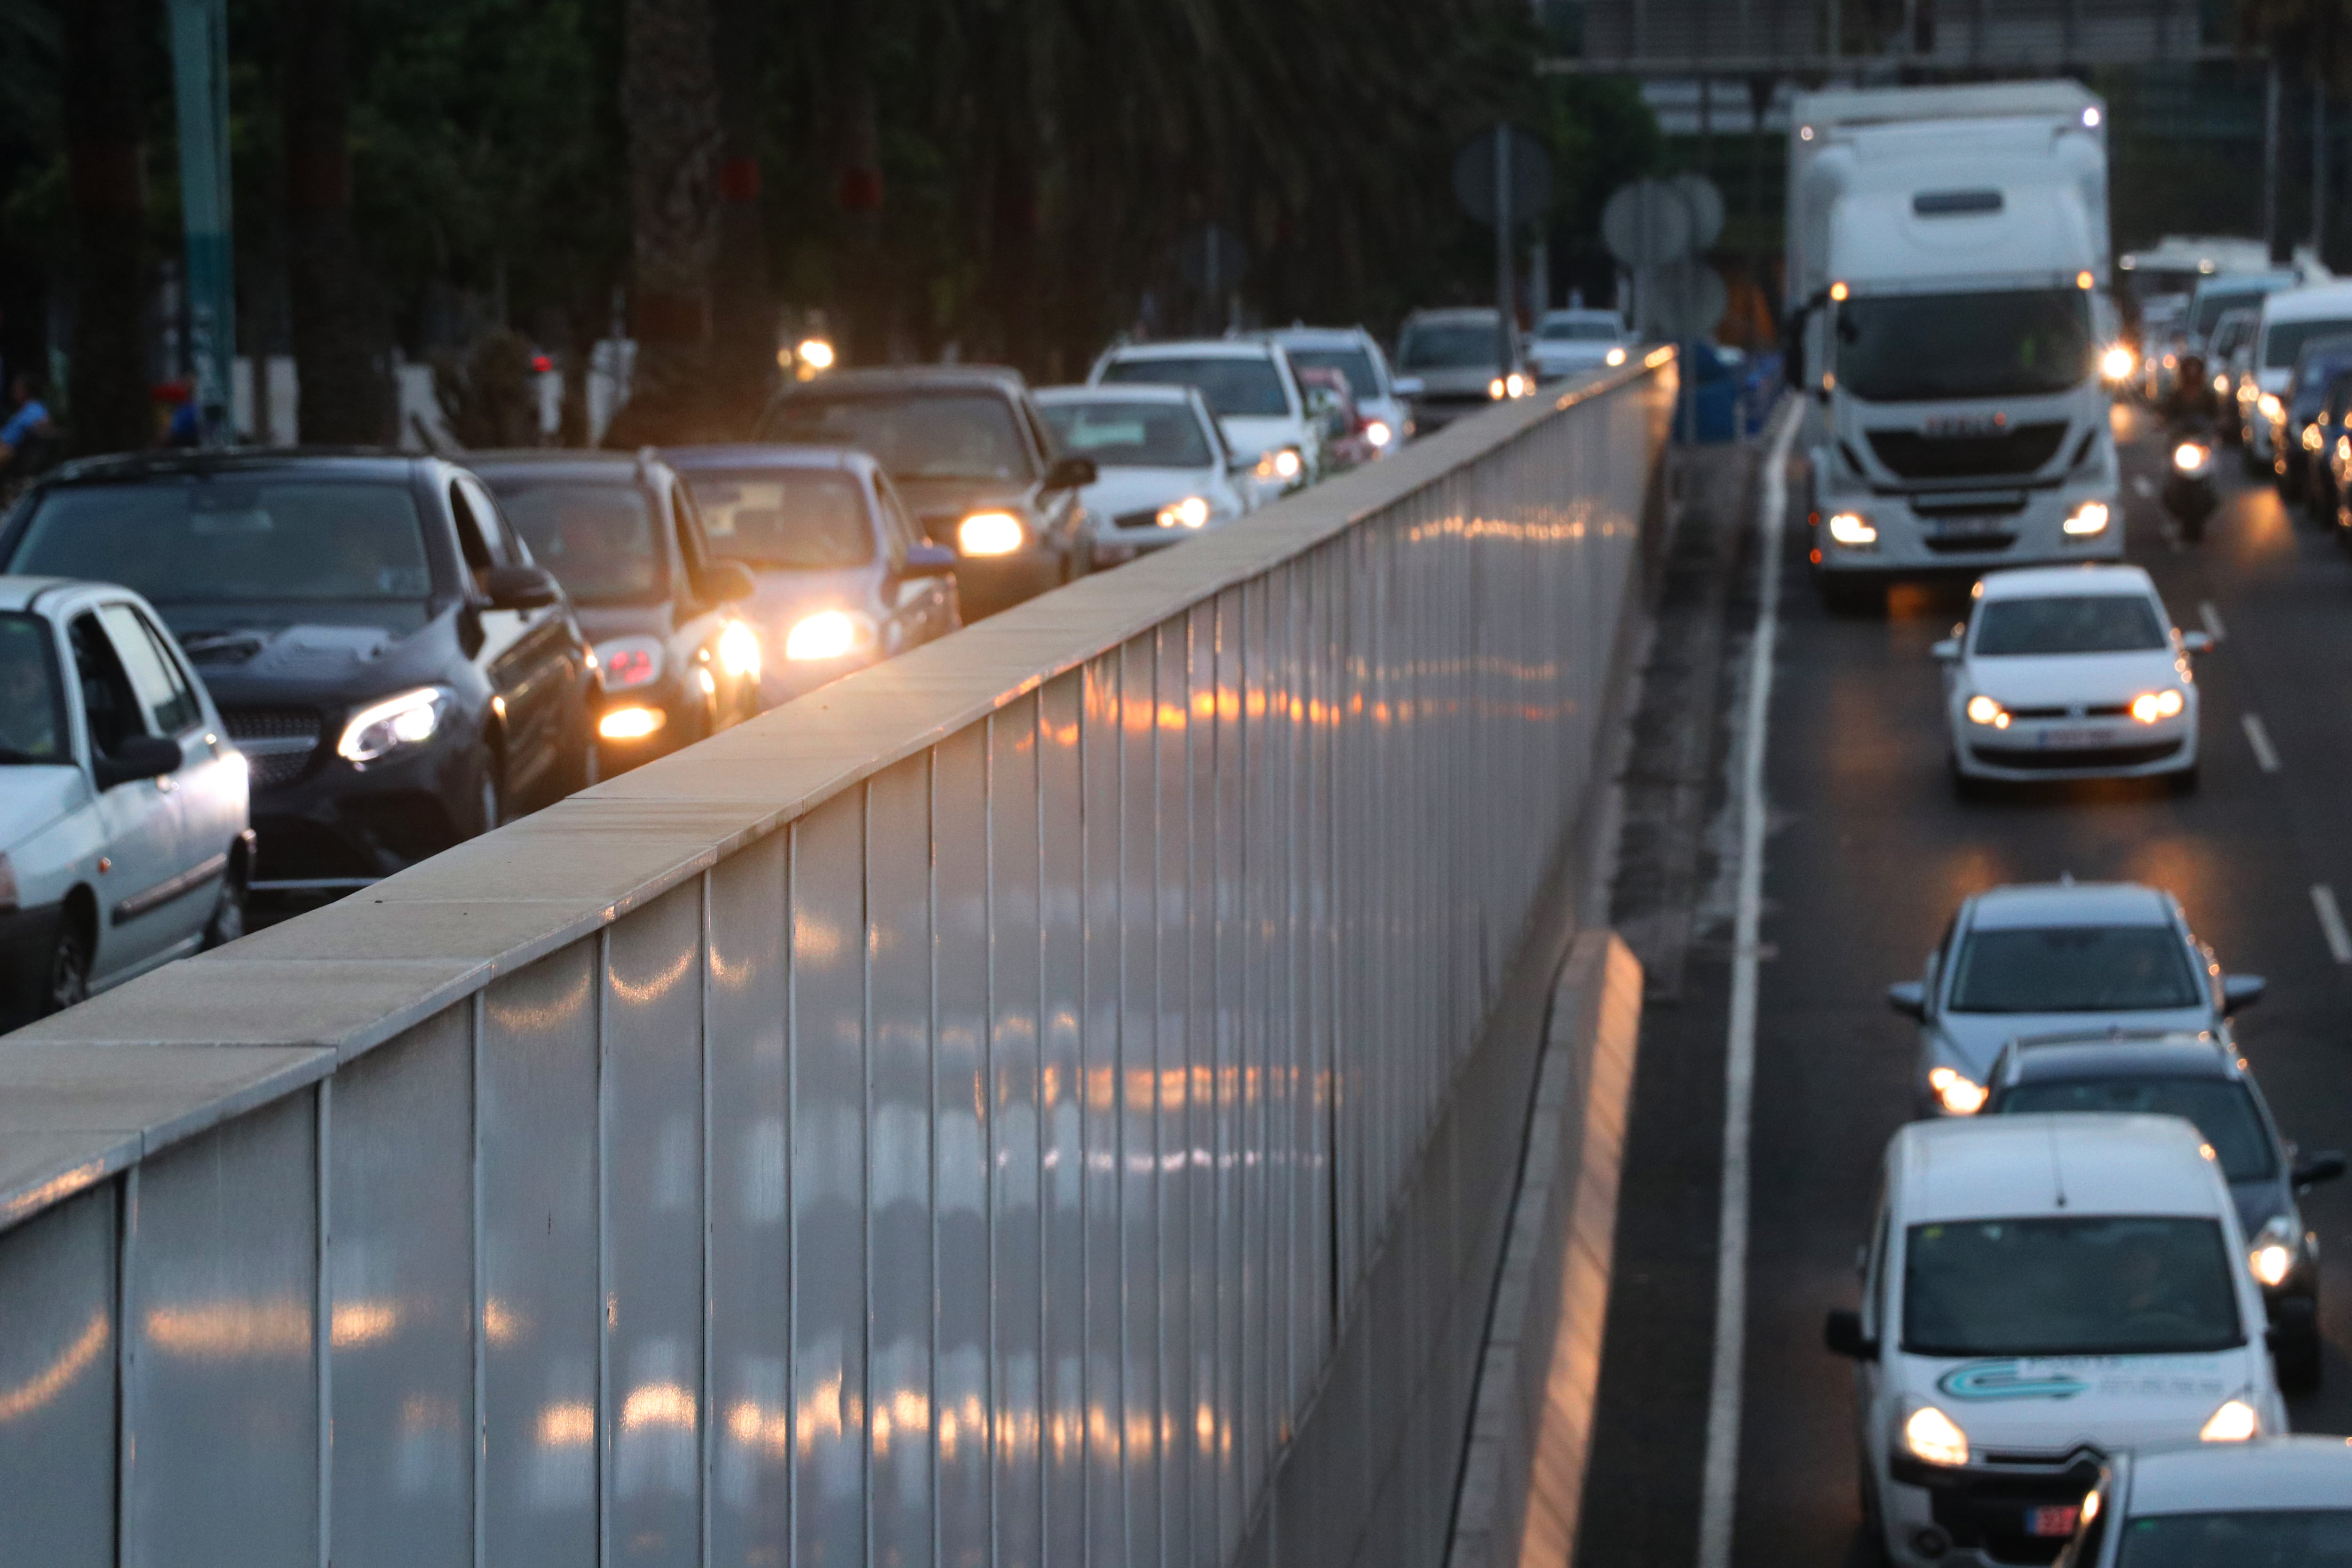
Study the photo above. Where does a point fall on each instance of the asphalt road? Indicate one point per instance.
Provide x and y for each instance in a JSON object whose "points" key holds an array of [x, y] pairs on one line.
{"points": [[1869, 854]]}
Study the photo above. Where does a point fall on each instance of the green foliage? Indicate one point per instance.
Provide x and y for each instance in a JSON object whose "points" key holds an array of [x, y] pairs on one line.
{"points": [[487, 394]]}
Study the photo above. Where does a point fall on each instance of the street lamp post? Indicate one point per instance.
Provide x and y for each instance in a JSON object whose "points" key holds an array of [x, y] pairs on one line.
{"points": [[200, 89]]}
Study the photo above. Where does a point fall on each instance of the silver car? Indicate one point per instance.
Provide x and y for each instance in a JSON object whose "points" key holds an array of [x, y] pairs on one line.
{"points": [[2276, 1499], [2058, 958]]}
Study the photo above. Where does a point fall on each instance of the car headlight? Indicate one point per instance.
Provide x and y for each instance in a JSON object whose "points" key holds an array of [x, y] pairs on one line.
{"points": [[2116, 363], [2190, 457], [1379, 434], [826, 634], [1956, 1092], [2272, 1258], [2086, 519], [407, 720], [2312, 438], [1983, 710], [1283, 463], [2234, 1422], [2220, 384], [630, 662], [1507, 387], [739, 650], [1935, 1437], [991, 533], [1615, 356], [2149, 707], [1853, 530], [1192, 511], [631, 723], [2271, 407]]}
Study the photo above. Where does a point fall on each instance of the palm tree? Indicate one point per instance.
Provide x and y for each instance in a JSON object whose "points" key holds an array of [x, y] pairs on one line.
{"points": [[105, 40], [345, 391]]}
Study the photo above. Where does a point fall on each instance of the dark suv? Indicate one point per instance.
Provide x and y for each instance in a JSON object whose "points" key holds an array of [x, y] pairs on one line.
{"points": [[975, 461], [397, 671]]}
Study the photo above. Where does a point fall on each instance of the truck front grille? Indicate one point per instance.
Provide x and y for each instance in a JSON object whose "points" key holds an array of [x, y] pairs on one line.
{"points": [[2020, 450]]}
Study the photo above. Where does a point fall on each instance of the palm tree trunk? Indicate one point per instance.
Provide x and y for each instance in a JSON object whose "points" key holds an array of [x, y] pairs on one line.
{"points": [[107, 398], [345, 390], [742, 316]]}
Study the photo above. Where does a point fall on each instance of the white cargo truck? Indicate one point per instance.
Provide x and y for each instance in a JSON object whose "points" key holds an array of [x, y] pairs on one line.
{"points": [[1947, 276]]}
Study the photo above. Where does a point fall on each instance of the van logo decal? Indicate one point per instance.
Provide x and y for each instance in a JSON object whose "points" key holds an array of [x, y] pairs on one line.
{"points": [[2007, 1380]]}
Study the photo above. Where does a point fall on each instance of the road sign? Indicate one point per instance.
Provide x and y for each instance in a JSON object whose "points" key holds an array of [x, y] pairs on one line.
{"points": [[1647, 223], [1686, 298], [1530, 170], [1705, 203]]}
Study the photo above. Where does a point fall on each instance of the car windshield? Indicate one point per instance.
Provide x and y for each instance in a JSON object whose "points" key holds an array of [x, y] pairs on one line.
{"points": [[1355, 364], [794, 520], [207, 538], [1579, 330], [600, 539], [2072, 969], [2212, 307], [1249, 388], [32, 703], [2284, 343], [2083, 623], [914, 435], [1131, 435], [2223, 1111], [2250, 1538], [2127, 1285], [1911, 348], [1449, 345]]}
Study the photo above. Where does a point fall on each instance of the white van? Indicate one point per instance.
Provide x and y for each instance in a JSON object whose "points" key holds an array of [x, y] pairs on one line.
{"points": [[2291, 318], [2043, 1291]]}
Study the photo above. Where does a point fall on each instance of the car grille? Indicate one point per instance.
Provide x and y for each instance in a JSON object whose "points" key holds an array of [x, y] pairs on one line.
{"points": [[2095, 710], [278, 743], [2082, 757], [2018, 451]]}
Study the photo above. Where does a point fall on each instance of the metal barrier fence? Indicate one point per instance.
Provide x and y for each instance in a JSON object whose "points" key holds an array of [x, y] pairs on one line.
{"points": [[951, 1120]]}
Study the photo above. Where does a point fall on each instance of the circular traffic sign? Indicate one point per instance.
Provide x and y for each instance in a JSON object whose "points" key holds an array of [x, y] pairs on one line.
{"points": [[1647, 223]]}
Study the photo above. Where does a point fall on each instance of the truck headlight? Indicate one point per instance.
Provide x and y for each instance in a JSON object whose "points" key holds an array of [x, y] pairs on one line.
{"points": [[407, 720], [2234, 1422], [1853, 530], [2190, 457], [1934, 1436], [2272, 408], [2117, 364], [1956, 1092], [2149, 707]]}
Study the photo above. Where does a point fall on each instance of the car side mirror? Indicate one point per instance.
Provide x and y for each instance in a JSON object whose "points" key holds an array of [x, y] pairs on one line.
{"points": [[724, 582], [2314, 1169], [140, 757], [2196, 642], [1948, 651], [1841, 1334], [928, 559], [521, 587], [1071, 474], [1908, 997], [2241, 991], [1409, 386]]}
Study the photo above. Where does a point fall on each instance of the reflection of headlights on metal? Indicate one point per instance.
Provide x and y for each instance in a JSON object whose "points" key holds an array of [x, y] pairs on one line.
{"points": [[1191, 512], [1283, 463], [826, 634], [2086, 519], [2118, 362], [630, 662], [1379, 434], [990, 534], [2234, 1422], [407, 720], [2189, 457], [2151, 706], [1853, 530], [1615, 356], [1935, 1437], [2272, 1256], [1956, 1093], [631, 723], [739, 650], [2271, 407]]}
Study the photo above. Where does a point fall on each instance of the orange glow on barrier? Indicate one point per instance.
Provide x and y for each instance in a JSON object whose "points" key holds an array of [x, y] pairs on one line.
{"points": [[568, 1426], [37, 1391], [233, 1328], [660, 1405], [356, 1323]]}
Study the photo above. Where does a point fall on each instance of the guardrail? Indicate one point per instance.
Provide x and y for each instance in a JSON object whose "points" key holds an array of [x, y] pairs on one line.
{"points": [[954, 1117]]}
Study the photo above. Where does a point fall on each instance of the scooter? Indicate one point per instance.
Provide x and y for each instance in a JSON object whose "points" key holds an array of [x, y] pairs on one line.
{"points": [[2188, 491]]}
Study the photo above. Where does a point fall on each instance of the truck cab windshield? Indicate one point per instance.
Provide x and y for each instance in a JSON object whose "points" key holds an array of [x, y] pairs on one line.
{"points": [[1919, 348]]}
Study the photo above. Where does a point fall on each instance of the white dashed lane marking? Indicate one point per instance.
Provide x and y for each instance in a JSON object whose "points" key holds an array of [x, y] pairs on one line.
{"points": [[2266, 755], [2331, 922]]}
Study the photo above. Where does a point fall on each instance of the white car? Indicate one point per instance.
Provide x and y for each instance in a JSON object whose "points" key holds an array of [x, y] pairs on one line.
{"points": [[2291, 318], [1163, 472], [1249, 386], [2281, 1500], [2070, 672], [123, 835], [2044, 1292], [1355, 353], [1567, 341]]}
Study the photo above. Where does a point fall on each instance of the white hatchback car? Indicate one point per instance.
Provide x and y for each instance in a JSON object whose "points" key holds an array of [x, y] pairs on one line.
{"points": [[2044, 1292], [1249, 385], [123, 835], [1162, 470], [1567, 341], [2281, 1500], [2070, 672]]}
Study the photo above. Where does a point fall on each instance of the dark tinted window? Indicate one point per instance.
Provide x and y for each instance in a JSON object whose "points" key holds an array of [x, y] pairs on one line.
{"points": [[915, 435], [2089, 623], [1902, 348], [198, 540], [107, 700], [1247, 388], [1354, 364], [2265, 1538], [2117, 1286], [2283, 345], [1131, 435], [2072, 969], [601, 540], [1450, 346], [32, 703], [1579, 330], [804, 520], [2223, 1111]]}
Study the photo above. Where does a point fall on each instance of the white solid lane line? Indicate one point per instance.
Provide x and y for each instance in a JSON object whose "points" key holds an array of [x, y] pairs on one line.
{"points": [[2212, 619], [1719, 1484], [2266, 755], [2331, 922]]}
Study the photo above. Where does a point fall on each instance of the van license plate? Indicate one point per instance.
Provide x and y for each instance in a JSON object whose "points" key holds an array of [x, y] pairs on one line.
{"points": [[2048, 1522]]}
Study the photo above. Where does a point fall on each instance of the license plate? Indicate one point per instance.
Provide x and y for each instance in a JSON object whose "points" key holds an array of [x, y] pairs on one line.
{"points": [[2049, 1522], [1964, 526], [2073, 740]]}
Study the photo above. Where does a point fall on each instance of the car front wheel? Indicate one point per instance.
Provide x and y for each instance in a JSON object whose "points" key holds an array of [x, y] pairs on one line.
{"points": [[68, 969], [228, 918]]}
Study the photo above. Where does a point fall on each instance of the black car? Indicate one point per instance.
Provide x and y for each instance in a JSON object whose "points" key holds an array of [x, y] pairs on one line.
{"points": [[398, 673], [2205, 1081], [967, 447], [622, 534]]}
